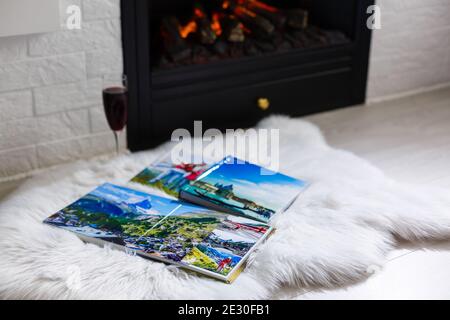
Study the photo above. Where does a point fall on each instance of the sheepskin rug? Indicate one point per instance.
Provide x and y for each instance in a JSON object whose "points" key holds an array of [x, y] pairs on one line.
{"points": [[339, 230]]}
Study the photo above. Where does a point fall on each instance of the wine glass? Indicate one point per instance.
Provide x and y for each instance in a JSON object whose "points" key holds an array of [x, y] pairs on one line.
{"points": [[115, 102]]}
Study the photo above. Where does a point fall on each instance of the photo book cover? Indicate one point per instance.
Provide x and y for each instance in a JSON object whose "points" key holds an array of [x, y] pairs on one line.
{"points": [[169, 230]]}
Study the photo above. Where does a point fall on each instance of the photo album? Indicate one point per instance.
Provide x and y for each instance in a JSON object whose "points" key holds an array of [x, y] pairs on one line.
{"points": [[216, 215]]}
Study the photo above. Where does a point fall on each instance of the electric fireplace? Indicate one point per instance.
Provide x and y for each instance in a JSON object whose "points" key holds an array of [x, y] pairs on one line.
{"points": [[231, 62]]}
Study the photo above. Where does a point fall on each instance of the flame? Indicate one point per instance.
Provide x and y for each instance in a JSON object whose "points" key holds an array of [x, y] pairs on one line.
{"points": [[215, 24], [226, 4], [199, 13], [188, 29], [245, 29], [243, 11], [261, 5]]}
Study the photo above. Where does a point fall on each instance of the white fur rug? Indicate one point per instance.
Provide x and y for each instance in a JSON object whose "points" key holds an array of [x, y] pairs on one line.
{"points": [[334, 234]]}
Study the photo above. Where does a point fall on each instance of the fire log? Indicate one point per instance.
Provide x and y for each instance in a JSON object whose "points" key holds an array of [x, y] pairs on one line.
{"points": [[204, 31], [220, 47], [232, 28], [250, 48], [264, 45], [174, 44], [297, 18], [259, 25], [200, 54], [296, 40], [236, 50], [273, 14]]}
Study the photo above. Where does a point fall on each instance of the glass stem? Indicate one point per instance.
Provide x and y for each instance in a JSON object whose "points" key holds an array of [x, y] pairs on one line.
{"points": [[116, 137]]}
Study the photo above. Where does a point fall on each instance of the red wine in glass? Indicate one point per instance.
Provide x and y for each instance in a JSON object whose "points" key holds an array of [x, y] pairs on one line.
{"points": [[115, 102]]}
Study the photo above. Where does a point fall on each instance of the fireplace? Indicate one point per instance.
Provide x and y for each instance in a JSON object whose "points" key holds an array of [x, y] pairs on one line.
{"points": [[231, 62]]}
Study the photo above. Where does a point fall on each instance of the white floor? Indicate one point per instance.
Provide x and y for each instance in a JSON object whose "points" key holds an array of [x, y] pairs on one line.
{"points": [[409, 139]]}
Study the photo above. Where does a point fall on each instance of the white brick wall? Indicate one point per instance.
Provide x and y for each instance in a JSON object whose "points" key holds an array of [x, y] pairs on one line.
{"points": [[50, 90], [50, 84], [412, 50]]}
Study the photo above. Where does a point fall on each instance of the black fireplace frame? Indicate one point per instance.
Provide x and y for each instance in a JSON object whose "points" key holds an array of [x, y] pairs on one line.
{"points": [[320, 80]]}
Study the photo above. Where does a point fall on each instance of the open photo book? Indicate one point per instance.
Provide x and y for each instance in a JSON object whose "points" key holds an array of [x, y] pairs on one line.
{"points": [[213, 234]]}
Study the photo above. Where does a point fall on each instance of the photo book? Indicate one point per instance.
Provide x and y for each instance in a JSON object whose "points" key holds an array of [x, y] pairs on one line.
{"points": [[216, 216], [231, 185]]}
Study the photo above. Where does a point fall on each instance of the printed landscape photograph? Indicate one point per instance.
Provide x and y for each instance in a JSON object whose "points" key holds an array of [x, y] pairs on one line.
{"points": [[162, 228], [243, 188], [228, 242], [113, 213], [168, 176]]}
